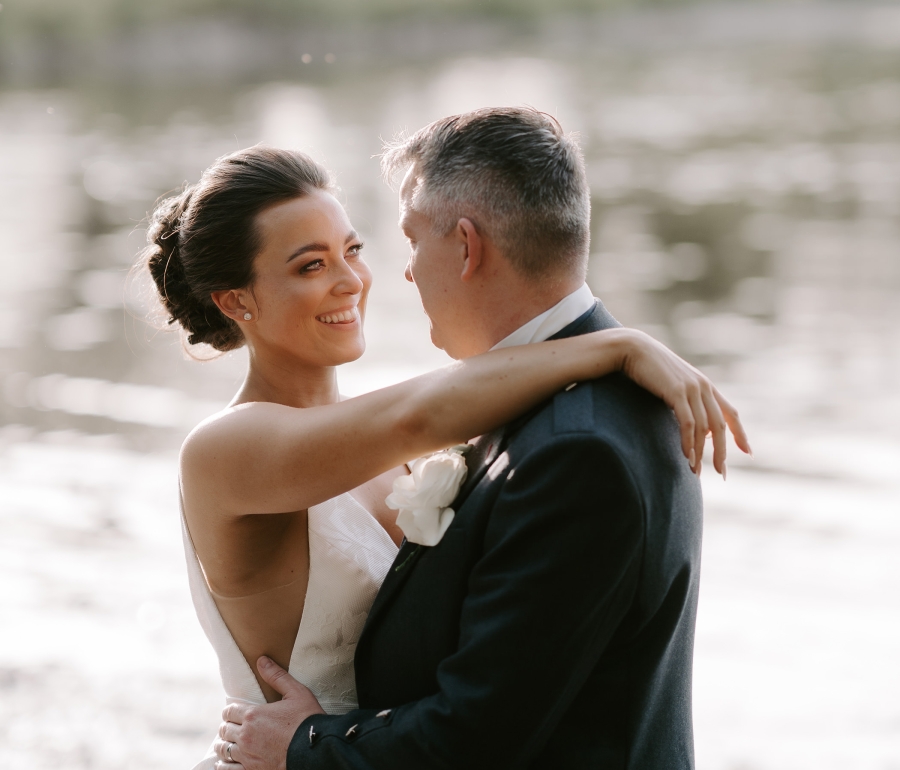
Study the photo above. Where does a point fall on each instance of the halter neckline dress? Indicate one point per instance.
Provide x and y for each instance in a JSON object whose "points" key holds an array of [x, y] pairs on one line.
{"points": [[349, 556]]}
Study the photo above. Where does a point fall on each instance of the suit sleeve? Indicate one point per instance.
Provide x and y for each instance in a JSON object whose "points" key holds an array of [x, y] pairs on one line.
{"points": [[558, 571]]}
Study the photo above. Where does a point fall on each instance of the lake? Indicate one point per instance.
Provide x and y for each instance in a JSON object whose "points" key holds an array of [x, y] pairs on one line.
{"points": [[745, 170]]}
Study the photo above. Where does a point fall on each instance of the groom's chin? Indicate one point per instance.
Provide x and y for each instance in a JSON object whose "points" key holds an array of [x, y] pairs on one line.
{"points": [[435, 340], [458, 347], [440, 344]]}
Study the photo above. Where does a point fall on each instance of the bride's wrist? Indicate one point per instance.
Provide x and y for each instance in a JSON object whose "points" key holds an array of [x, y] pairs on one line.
{"points": [[626, 344]]}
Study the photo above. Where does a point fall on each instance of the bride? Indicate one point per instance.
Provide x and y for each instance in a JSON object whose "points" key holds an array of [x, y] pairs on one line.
{"points": [[287, 533]]}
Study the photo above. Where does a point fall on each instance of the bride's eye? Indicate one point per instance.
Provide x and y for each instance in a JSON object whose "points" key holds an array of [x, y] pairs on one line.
{"points": [[312, 267], [355, 249]]}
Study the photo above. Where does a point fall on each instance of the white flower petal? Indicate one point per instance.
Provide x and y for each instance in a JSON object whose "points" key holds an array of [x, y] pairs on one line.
{"points": [[425, 526], [423, 496]]}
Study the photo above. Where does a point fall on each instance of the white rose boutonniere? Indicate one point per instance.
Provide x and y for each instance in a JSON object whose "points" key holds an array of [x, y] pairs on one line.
{"points": [[423, 496]]}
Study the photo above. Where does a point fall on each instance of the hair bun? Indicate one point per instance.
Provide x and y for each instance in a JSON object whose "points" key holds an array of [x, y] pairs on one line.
{"points": [[198, 316], [205, 240]]}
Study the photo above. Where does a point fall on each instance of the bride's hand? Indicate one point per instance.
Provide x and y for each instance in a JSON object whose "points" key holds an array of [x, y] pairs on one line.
{"points": [[698, 406]]}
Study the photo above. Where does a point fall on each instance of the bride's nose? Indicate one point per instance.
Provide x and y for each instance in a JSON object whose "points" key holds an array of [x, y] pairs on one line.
{"points": [[348, 282]]}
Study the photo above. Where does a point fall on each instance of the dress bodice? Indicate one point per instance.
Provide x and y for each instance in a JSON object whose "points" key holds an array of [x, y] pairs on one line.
{"points": [[349, 556]]}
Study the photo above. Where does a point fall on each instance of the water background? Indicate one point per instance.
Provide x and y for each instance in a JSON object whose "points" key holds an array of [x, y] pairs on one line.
{"points": [[745, 168]]}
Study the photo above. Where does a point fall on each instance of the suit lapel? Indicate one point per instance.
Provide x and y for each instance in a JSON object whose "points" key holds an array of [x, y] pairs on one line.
{"points": [[478, 460], [485, 450], [408, 555]]}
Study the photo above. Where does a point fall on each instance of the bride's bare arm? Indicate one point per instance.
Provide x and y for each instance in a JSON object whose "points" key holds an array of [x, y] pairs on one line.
{"points": [[270, 458]]}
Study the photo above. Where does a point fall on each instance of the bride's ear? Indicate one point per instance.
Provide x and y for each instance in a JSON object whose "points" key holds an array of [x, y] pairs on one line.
{"points": [[236, 304], [473, 244]]}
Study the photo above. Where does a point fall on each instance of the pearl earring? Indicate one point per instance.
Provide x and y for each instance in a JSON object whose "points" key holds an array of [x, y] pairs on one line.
{"points": [[247, 316]]}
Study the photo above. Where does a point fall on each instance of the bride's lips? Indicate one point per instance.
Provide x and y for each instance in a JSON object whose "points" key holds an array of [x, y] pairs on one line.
{"points": [[347, 316]]}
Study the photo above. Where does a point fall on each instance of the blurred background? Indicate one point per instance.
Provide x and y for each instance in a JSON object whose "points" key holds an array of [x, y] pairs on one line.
{"points": [[745, 167]]}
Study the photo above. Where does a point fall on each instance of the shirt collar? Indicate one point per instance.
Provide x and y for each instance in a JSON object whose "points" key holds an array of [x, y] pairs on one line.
{"points": [[550, 322]]}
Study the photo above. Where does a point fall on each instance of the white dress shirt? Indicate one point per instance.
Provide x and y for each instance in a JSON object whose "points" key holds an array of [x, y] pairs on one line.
{"points": [[550, 322]]}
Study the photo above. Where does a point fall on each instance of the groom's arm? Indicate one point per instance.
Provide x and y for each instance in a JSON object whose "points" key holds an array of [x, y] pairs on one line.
{"points": [[559, 569]]}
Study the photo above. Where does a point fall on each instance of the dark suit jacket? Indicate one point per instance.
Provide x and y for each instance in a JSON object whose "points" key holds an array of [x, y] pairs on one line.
{"points": [[553, 625]]}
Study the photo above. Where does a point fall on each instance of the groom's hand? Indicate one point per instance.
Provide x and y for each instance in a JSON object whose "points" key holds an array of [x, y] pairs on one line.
{"points": [[259, 735]]}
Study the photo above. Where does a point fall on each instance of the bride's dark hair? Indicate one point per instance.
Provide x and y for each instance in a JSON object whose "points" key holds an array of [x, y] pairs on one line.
{"points": [[205, 239]]}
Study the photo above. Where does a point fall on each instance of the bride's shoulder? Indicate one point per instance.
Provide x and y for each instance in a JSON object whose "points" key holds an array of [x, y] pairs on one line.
{"points": [[221, 451], [233, 431]]}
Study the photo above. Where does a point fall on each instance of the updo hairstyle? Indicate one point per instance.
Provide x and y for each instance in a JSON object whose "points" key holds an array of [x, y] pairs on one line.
{"points": [[205, 239]]}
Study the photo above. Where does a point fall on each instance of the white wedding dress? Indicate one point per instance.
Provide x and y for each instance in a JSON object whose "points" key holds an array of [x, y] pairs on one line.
{"points": [[349, 556]]}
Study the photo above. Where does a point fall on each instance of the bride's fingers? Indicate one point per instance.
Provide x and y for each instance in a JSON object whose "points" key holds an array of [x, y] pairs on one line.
{"points": [[717, 427], [234, 712], [701, 424], [734, 423], [228, 732], [686, 424], [220, 747]]}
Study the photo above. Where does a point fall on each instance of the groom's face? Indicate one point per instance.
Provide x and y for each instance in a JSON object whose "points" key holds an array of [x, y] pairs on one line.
{"points": [[435, 265]]}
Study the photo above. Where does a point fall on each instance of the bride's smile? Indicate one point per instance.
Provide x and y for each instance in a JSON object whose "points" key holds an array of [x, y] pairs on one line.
{"points": [[287, 529], [308, 298], [342, 318]]}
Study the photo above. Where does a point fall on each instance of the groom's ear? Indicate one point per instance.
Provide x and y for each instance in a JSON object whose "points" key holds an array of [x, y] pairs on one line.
{"points": [[473, 245]]}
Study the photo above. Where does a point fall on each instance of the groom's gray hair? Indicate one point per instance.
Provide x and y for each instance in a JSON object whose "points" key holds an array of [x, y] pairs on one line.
{"points": [[514, 173]]}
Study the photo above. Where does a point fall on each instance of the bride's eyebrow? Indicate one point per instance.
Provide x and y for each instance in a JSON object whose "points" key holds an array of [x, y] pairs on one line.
{"points": [[318, 246], [307, 248]]}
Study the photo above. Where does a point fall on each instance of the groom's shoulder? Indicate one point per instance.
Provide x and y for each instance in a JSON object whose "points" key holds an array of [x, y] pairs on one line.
{"points": [[606, 432], [611, 409]]}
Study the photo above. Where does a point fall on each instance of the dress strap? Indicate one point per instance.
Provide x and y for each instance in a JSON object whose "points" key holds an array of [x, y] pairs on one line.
{"points": [[237, 677]]}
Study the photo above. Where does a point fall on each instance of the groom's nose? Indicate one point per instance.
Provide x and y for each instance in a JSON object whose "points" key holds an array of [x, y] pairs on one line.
{"points": [[408, 272]]}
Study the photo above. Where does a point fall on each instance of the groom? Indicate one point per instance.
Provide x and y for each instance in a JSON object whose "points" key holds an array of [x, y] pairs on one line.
{"points": [[553, 625]]}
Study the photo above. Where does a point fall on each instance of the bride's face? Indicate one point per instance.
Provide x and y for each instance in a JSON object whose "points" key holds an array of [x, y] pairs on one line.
{"points": [[311, 283]]}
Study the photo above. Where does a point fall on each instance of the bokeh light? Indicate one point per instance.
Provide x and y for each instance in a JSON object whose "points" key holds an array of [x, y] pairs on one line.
{"points": [[744, 161]]}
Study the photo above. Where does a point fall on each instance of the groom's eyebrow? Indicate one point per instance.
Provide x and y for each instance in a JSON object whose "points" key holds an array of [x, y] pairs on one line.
{"points": [[318, 246]]}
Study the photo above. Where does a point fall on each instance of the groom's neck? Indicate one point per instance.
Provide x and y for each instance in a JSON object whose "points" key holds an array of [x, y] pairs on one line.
{"points": [[505, 307]]}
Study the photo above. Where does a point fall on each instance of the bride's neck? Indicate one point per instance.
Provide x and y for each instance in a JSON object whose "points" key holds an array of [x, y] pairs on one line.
{"points": [[291, 383]]}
